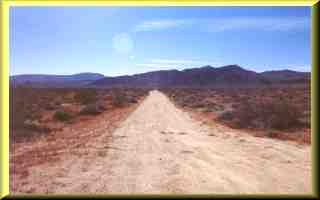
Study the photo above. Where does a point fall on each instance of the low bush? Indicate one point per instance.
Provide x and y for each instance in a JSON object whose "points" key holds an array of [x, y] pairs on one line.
{"points": [[226, 115], [245, 115], [284, 115], [61, 115], [86, 96], [49, 106], [34, 125], [119, 99], [92, 109], [273, 114], [131, 99]]}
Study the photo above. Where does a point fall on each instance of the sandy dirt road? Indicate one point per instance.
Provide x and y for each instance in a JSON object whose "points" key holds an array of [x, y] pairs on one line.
{"points": [[161, 149]]}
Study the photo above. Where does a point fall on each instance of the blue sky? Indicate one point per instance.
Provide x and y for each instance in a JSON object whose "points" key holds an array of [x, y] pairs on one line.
{"points": [[128, 40]]}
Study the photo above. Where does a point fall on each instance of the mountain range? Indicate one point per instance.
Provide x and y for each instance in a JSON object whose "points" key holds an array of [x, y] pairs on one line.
{"points": [[45, 80], [206, 76]]}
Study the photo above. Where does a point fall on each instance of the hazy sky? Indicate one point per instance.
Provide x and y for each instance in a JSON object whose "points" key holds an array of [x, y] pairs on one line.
{"points": [[127, 40]]}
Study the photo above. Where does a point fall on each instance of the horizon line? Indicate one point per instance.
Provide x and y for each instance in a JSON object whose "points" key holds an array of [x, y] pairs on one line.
{"points": [[71, 74]]}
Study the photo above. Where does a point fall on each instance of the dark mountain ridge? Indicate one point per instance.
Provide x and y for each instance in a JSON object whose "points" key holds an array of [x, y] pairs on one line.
{"points": [[206, 76]]}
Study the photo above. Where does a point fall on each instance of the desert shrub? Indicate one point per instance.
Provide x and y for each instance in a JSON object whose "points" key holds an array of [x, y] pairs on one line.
{"points": [[284, 115], [235, 105], [57, 103], [62, 115], [226, 115], [49, 106], [218, 107], [17, 118], [119, 99], [244, 115], [276, 114], [92, 109], [86, 96], [22, 106], [197, 104], [305, 119], [131, 99], [34, 125], [206, 109]]}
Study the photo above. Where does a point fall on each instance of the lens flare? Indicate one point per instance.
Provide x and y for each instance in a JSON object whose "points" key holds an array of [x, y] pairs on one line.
{"points": [[122, 43]]}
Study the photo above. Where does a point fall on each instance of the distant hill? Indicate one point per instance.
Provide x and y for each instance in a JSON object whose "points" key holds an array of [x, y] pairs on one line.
{"points": [[206, 76], [286, 76], [45, 80]]}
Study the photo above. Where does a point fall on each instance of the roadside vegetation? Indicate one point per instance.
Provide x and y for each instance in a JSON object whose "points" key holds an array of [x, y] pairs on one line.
{"points": [[36, 111], [278, 112]]}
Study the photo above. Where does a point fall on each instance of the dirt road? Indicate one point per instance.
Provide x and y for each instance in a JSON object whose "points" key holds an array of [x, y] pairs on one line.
{"points": [[160, 149]]}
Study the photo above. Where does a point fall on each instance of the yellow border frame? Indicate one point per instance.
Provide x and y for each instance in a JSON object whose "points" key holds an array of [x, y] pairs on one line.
{"points": [[161, 2], [4, 74]]}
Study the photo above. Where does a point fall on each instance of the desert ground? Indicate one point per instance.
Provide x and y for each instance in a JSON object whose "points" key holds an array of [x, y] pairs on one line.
{"points": [[158, 148]]}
